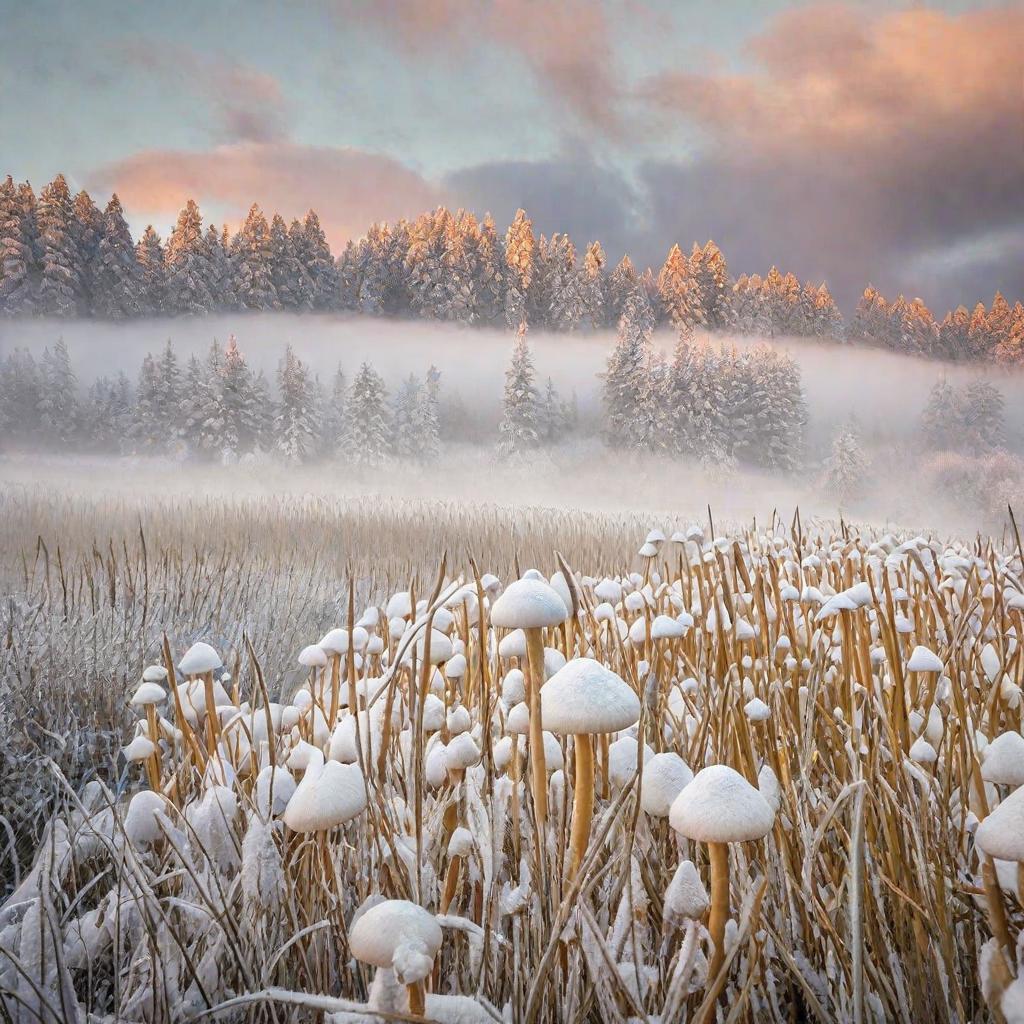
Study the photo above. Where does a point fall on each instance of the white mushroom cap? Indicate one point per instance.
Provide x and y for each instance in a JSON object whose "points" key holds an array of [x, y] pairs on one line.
{"points": [[313, 656], [148, 693], [433, 713], [656, 536], [720, 806], [685, 896], [440, 647], [399, 606], [328, 795], [456, 667], [335, 641], [528, 604], [490, 582], [462, 751], [154, 674], [622, 758], [664, 778], [585, 697], [608, 590], [380, 932], [1001, 834], [141, 823], [513, 645], [198, 659], [665, 627], [756, 710], [924, 660], [647, 550], [923, 752], [1004, 760], [139, 749], [518, 720]]}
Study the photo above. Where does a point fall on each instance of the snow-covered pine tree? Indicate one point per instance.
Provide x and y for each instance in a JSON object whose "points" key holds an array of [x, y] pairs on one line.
{"points": [[319, 264], [88, 225], [221, 279], [520, 256], [285, 270], [404, 420], [624, 379], [552, 422], [367, 436], [846, 468], [333, 426], [296, 283], [350, 276], [187, 266], [954, 335], [427, 271], [941, 420], [595, 287], [149, 253], [116, 278], [674, 289], [653, 423], [709, 433], [17, 260], [58, 398], [237, 409], [519, 428], [251, 264], [462, 242], [428, 416], [20, 391], [295, 427], [621, 284], [1010, 350], [781, 411], [107, 415], [566, 306], [871, 320], [491, 276], [147, 432], [60, 282], [984, 423]]}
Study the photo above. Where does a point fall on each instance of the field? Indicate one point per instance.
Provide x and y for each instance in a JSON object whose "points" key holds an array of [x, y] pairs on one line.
{"points": [[862, 684]]}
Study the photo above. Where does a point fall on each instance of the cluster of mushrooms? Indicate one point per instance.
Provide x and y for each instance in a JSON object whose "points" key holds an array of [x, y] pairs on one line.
{"points": [[671, 788]]}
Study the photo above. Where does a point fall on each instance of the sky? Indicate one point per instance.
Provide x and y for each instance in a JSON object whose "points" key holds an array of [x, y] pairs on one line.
{"points": [[848, 142]]}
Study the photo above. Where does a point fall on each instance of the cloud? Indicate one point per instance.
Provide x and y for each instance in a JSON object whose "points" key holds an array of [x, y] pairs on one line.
{"points": [[349, 188], [568, 45], [240, 103], [854, 146]]}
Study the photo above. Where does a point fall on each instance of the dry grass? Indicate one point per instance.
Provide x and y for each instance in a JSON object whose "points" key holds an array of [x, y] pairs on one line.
{"points": [[869, 900]]}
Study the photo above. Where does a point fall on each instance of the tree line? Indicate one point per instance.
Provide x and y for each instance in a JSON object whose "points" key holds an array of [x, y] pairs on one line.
{"points": [[61, 256]]}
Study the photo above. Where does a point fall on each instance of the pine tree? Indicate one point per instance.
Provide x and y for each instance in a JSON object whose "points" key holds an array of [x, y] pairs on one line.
{"points": [[333, 428], [297, 284], [147, 431], [107, 415], [251, 264], [367, 438], [552, 420], [187, 263], [149, 253], [674, 289], [710, 275], [983, 418], [237, 410], [566, 305], [709, 430], [404, 420], [520, 256], [519, 428], [60, 283], [621, 285], [428, 417], [954, 335], [17, 260], [845, 470], [653, 423], [491, 276], [58, 397], [200, 426], [624, 379], [871, 319], [117, 279], [1010, 350], [88, 230], [595, 286], [295, 433], [319, 264], [20, 397], [941, 421], [220, 281]]}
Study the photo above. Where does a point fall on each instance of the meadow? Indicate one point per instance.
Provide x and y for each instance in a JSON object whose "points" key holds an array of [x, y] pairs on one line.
{"points": [[777, 779]]}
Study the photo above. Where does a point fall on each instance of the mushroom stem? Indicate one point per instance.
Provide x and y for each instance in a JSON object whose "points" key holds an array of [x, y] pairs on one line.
{"points": [[582, 801], [212, 721], [153, 729], [534, 681], [719, 854], [417, 999]]}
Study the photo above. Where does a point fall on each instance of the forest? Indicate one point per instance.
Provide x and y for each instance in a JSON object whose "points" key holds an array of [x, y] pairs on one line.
{"points": [[60, 256]]}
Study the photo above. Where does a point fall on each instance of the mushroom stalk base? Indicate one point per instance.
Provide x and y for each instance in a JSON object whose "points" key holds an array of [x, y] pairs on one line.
{"points": [[535, 679], [582, 802], [417, 999], [719, 853]]}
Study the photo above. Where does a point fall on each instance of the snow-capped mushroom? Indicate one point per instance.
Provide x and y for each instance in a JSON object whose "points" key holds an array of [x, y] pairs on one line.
{"points": [[924, 660], [1004, 760], [202, 660], [720, 807], [664, 777], [1001, 834], [400, 936], [329, 794], [584, 699], [532, 606]]}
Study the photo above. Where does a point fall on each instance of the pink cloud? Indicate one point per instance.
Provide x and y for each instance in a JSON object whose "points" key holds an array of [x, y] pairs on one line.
{"points": [[348, 188]]}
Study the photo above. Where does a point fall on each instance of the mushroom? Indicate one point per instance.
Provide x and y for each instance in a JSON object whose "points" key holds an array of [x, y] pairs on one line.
{"points": [[582, 699], [532, 605], [1004, 760], [400, 936], [664, 777], [202, 660], [329, 794], [720, 807], [148, 694]]}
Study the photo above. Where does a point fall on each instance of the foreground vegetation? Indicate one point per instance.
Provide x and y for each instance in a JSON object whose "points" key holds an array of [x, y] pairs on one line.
{"points": [[856, 863]]}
